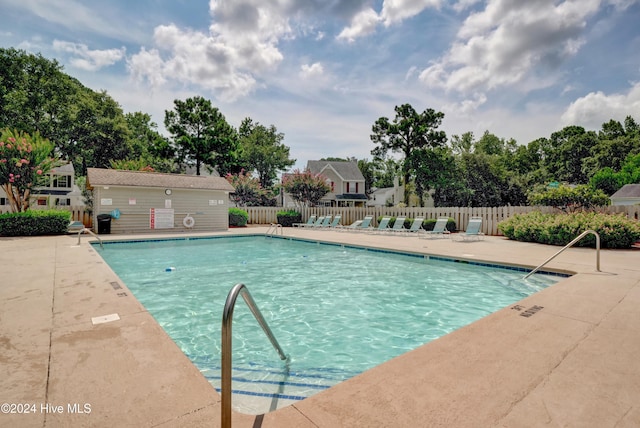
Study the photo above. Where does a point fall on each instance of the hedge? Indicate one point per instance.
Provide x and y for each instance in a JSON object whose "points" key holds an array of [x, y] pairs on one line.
{"points": [[427, 224], [616, 231], [34, 223], [288, 218], [238, 217]]}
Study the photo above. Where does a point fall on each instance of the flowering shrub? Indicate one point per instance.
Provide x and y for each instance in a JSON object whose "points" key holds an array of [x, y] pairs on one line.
{"points": [[616, 231], [25, 162], [305, 187], [248, 192], [32, 223]]}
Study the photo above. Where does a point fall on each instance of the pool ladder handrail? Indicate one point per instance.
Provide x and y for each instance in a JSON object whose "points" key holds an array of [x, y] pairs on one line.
{"points": [[226, 347], [579, 237], [90, 232], [273, 229]]}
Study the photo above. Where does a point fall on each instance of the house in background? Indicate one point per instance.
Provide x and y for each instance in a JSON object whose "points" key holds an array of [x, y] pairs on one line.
{"points": [[345, 179], [386, 196], [629, 194], [61, 191], [141, 202]]}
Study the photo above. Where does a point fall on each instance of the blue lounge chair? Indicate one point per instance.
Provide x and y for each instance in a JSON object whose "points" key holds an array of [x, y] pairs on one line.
{"points": [[416, 227], [317, 223], [398, 225], [326, 220], [364, 224], [383, 226], [439, 229], [473, 230], [309, 222], [335, 223]]}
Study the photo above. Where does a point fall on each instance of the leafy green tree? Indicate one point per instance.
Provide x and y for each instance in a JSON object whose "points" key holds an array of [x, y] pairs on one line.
{"points": [[262, 150], [147, 145], [570, 199], [433, 168], [368, 170], [202, 134], [25, 163], [408, 131], [305, 187]]}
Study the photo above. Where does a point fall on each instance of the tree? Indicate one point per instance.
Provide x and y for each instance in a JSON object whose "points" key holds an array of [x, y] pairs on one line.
{"points": [[147, 145], [202, 134], [409, 131], [305, 187], [262, 150], [248, 192], [433, 169], [569, 199], [25, 163]]}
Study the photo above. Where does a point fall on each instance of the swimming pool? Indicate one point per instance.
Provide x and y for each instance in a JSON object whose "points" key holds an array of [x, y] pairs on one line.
{"points": [[336, 310]]}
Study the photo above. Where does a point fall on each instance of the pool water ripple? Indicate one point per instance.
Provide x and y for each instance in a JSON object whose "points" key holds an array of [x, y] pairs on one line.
{"points": [[336, 311]]}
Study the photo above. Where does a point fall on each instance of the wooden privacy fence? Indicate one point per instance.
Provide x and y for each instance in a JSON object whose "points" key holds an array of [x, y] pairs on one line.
{"points": [[491, 216]]}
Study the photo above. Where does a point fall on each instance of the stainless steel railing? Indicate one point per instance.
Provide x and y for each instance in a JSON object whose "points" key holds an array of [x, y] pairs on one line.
{"points": [[81, 231], [273, 229], [579, 237], [227, 318]]}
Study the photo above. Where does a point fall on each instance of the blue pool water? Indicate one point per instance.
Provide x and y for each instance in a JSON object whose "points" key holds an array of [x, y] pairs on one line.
{"points": [[336, 311]]}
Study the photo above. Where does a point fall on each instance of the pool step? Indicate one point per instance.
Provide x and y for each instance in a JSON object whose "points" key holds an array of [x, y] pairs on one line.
{"points": [[257, 389]]}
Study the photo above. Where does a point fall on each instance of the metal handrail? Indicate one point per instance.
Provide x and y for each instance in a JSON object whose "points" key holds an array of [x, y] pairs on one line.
{"points": [[90, 233], [226, 363], [579, 237], [273, 229]]}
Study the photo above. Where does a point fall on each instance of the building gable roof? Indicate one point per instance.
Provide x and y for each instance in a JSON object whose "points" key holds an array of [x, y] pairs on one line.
{"points": [[114, 177], [348, 171], [628, 191]]}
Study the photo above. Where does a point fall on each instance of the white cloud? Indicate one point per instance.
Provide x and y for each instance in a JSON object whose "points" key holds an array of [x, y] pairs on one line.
{"points": [[505, 42], [241, 46], [364, 23], [311, 71], [394, 11], [596, 108], [87, 59]]}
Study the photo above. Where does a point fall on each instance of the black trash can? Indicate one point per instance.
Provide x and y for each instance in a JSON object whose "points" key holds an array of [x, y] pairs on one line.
{"points": [[104, 224]]}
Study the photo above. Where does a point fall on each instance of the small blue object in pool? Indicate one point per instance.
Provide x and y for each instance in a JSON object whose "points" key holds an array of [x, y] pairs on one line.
{"points": [[170, 269]]}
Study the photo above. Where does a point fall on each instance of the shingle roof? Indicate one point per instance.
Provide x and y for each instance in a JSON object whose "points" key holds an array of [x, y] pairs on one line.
{"points": [[114, 177], [628, 191], [349, 171]]}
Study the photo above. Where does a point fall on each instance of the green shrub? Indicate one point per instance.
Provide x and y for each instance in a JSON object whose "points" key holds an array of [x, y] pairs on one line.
{"points": [[238, 217], [429, 224], [33, 223], [287, 218], [616, 231]]}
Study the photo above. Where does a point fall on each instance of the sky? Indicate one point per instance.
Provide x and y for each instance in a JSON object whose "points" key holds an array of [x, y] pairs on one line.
{"points": [[323, 71]]}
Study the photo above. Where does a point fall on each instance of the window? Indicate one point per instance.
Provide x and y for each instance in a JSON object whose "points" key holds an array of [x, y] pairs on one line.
{"points": [[42, 202], [62, 181], [63, 201], [3, 201]]}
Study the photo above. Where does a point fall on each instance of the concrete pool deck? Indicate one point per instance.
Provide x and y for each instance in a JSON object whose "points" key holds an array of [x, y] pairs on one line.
{"points": [[566, 356]]}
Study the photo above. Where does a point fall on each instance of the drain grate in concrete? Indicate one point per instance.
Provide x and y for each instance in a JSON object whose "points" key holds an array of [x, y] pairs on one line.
{"points": [[105, 319]]}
